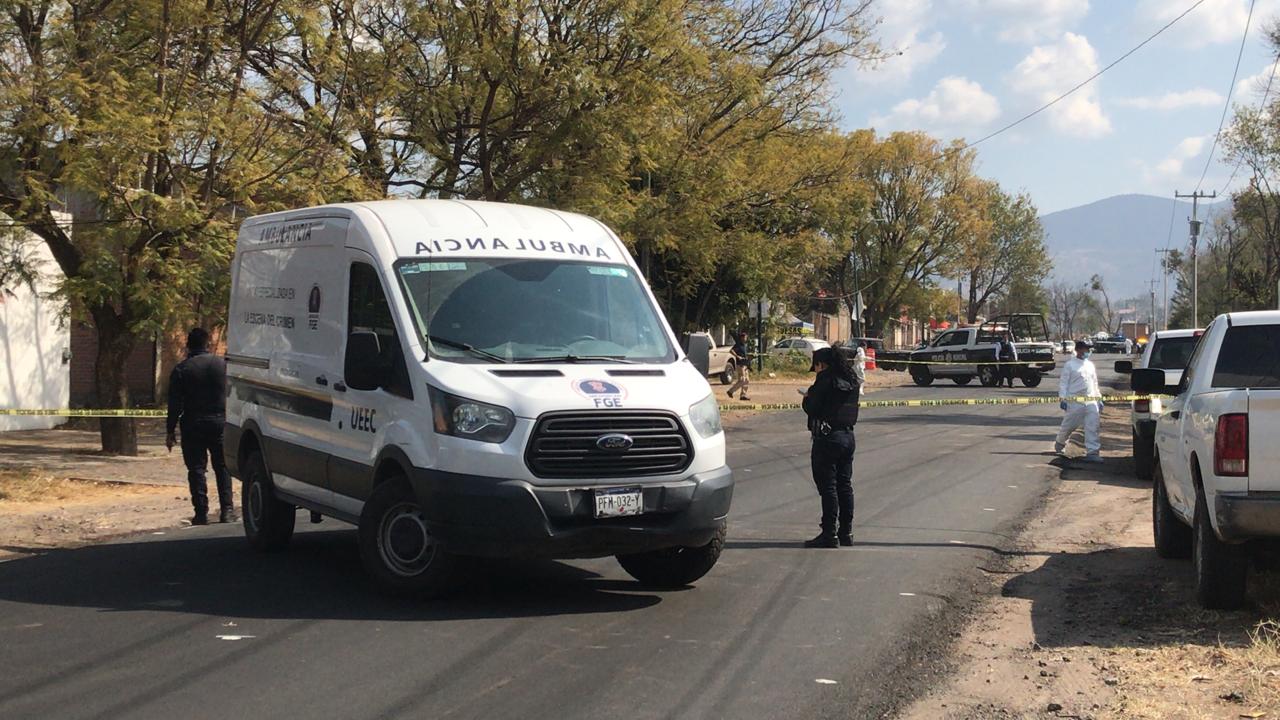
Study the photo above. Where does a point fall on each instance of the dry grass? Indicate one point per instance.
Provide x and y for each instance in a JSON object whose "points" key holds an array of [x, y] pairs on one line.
{"points": [[1195, 681], [32, 486]]}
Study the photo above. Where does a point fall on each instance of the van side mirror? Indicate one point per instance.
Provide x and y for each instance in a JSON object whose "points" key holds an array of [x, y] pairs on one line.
{"points": [[364, 368], [1149, 381], [1124, 367]]}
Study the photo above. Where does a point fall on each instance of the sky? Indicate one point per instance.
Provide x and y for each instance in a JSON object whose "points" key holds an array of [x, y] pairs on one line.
{"points": [[968, 67]]}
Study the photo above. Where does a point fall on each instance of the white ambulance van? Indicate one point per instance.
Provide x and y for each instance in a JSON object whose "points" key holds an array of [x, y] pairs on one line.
{"points": [[467, 378]]}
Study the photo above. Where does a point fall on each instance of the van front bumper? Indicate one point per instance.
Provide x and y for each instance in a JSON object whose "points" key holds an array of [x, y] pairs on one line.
{"points": [[1246, 516], [474, 515]]}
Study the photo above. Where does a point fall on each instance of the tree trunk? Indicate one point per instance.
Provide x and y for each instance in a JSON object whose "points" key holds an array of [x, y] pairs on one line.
{"points": [[119, 435]]}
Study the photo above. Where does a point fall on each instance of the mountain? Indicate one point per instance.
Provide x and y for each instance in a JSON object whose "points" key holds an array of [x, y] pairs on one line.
{"points": [[1116, 238]]}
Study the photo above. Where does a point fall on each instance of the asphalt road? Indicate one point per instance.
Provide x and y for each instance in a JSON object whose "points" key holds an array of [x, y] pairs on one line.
{"points": [[192, 624]]}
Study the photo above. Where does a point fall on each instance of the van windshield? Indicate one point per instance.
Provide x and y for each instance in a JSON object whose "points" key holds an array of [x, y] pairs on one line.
{"points": [[494, 310]]}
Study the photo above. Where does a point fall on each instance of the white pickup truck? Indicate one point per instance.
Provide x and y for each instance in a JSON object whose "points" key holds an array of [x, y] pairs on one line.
{"points": [[1216, 493], [1167, 350]]}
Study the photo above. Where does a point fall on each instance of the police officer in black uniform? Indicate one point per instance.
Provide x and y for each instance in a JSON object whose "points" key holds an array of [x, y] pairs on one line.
{"points": [[198, 402], [832, 406]]}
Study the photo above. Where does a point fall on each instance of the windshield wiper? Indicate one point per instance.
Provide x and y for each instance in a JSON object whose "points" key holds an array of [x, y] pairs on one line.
{"points": [[467, 348], [576, 358]]}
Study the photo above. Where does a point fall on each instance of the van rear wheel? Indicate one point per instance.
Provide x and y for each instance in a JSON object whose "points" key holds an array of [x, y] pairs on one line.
{"points": [[397, 548], [921, 376], [268, 521], [675, 567], [1031, 378]]}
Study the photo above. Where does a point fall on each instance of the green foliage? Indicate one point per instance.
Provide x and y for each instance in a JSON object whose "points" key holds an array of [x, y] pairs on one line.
{"points": [[1005, 247]]}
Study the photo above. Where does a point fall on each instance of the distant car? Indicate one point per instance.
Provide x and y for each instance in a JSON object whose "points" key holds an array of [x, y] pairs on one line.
{"points": [[805, 346], [1167, 350], [876, 344]]}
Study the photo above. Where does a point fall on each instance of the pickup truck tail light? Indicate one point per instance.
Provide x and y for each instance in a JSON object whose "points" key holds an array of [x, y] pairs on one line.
{"points": [[1142, 406], [1231, 446]]}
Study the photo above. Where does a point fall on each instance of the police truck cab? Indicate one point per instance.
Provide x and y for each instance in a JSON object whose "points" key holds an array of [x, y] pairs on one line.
{"points": [[467, 378]]}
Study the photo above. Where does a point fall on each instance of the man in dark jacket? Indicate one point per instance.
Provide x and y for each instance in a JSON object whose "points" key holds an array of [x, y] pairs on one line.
{"points": [[198, 402], [832, 406], [1008, 354]]}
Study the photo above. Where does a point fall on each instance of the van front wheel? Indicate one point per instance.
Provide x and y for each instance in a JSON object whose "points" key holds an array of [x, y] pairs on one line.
{"points": [[396, 548], [268, 521], [674, 567]]}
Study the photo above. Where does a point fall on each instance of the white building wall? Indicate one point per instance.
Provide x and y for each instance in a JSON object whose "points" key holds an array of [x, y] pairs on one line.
{"points": [[35, 369]]}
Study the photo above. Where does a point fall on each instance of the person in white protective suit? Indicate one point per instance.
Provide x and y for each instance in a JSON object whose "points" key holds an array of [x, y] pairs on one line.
{"points": [[1079, 379]]}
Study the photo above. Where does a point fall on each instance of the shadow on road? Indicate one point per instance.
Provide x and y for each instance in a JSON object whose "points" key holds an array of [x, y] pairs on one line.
{"points": [[1129, 597], [318, 577]]}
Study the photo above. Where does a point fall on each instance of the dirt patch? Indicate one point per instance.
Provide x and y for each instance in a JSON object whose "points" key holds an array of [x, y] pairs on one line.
{"points": [[1087, 622], [39, 512]]}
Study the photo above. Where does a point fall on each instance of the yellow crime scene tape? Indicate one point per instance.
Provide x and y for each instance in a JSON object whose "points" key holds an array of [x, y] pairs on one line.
{"points": [[892, 361], [70, 412], [947, 402], [863, 404]]}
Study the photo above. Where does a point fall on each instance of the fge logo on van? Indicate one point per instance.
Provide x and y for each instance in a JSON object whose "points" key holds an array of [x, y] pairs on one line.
{"points": [[601, 392]]}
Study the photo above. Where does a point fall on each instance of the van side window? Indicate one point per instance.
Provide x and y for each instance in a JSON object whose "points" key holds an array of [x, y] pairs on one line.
{"points": [[368, 311]]}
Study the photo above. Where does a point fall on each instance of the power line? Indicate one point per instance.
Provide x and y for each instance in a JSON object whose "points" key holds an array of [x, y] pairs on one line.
{"points": [[1261, 106], [1085, 82], [1226, 106]]}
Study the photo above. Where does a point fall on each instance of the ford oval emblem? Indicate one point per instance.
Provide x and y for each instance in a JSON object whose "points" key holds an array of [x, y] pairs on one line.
{"points": [[615, 442]]}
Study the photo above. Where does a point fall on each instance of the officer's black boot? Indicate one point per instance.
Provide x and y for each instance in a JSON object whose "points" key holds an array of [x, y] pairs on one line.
{"points": [[823, 540], [227, 514], [200, 518]]}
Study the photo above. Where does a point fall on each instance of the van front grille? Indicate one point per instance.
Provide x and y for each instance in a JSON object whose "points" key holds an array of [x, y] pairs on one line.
{"points": [[567, 445]]}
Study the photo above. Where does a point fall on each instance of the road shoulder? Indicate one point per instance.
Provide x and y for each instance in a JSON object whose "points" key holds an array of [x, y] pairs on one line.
{"points": [[1084, 621]]}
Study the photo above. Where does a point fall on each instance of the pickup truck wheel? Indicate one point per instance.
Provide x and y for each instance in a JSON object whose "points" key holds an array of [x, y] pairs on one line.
{"points": [[1143, 454], [674, 567], [962, 379], [988, 376], [1221, 569], [396, 548], [1172, 536], [729, 373], [921, 376], [1031, 379], [268, 521]]}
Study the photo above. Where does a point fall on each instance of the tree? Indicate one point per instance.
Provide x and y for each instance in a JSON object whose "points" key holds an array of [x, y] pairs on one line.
{"points": [[1007, 245], [1024, 295], [1108, 315], [1068, 304], [921, 202], [699, 130], [141, 120]]}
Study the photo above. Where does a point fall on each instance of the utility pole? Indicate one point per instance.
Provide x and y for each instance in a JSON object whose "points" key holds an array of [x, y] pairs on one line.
{"points": [[1151, 327], [1164, 281], [1195, 240]]}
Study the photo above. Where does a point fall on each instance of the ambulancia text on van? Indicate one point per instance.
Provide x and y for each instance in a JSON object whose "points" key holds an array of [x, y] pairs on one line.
{"points": [[467, 378]]}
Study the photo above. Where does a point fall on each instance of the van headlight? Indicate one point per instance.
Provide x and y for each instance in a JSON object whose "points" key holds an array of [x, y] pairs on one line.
{"points": [[470, 419], [705, 416]]}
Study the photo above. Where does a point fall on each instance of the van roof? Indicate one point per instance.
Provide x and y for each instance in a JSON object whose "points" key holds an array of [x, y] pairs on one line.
{"points": [[404, 217]]}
